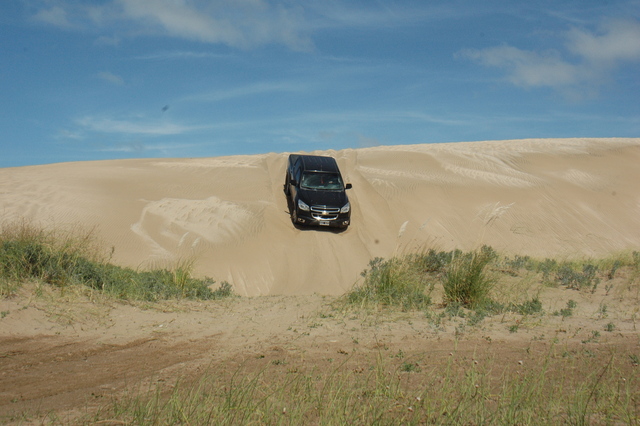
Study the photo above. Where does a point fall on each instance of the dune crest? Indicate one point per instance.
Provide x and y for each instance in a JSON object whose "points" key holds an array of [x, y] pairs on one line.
{"points": [[540, 197]]}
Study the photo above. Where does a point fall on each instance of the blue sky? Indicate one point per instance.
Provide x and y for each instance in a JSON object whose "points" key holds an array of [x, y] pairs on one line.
{"points": [[110, 79]]}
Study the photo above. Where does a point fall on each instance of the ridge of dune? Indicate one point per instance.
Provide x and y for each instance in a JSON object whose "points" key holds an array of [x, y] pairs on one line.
{"points": [[539, 197]]}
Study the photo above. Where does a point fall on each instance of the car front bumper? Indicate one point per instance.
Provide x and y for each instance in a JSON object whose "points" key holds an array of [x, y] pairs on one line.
{"points": [[341, 221]]}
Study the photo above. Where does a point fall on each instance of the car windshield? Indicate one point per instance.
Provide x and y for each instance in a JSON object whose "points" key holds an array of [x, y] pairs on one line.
{"points": [[322, 181]]}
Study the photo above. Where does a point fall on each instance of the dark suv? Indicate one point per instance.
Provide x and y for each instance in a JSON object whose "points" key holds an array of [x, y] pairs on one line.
{"points": [[316, 192]]}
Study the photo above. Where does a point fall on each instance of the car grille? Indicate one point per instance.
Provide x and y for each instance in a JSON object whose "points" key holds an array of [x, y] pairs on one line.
{"points": [[324, 212]]}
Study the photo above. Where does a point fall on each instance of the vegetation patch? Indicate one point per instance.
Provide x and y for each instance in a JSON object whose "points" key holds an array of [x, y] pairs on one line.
{"points": [[540, 389], [395, 282], [466, 280], [63, 259]]}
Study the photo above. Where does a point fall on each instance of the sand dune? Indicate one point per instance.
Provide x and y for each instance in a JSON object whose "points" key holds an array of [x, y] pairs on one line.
{"points": [[543, 197]]}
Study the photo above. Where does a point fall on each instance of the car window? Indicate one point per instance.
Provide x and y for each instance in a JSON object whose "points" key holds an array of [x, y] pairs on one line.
{"points": [[321, 181]]}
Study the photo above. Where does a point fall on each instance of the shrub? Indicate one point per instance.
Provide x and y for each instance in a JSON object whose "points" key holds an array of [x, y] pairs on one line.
{"points": [[572, 279], [393, 282], [435, 261], [546, 267], [519, 262], [466, 280]]}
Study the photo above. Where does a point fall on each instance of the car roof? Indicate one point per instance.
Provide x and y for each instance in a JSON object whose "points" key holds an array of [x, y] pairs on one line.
{"points": [[319, 163]]}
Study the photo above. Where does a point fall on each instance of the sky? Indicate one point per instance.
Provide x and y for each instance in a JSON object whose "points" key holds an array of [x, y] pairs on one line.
{"points": [[113, 79]]}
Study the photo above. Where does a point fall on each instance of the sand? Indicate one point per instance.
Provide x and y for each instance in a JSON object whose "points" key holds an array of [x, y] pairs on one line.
{"points": [[229, 215]]}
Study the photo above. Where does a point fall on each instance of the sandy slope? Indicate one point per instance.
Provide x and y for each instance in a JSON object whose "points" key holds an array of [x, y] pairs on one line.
{"points": [[543, 197]]}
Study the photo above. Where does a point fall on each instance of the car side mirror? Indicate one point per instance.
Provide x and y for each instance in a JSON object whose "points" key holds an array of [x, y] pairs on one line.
{"points": [[293, 182], [348, 186]]}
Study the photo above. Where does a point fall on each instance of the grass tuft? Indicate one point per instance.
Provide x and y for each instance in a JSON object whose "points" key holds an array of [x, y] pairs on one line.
{"points": [[395, 282], [28, 253], [466, 279]]}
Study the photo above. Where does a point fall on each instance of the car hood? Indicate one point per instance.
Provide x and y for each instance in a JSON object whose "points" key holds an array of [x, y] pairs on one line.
{"points": [[323, 198]]}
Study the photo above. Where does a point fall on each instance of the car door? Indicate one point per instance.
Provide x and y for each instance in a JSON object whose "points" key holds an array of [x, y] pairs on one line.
{"points": [[297, 175]]}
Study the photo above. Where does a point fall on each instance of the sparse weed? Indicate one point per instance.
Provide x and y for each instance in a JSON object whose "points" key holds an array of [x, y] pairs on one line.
{"points": [[612, 272], [490, 307], [476, 318], [587, 279], [536, 393], [409, 367], [547, 267], [568, 311], [602, 311], [8, 286], [513, 266], [595, 334], [528, 307]]}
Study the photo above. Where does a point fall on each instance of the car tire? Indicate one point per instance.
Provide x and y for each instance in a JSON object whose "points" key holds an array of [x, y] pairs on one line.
{"points": [[286, 184]]}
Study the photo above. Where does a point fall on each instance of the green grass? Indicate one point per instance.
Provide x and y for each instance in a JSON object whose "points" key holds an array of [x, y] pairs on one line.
{"points": [[466, 280], [64, 259], [396, 282], [544, 390], [406, 281]]}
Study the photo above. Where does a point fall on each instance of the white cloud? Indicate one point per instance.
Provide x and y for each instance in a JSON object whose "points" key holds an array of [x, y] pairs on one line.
{"points": [[386, 14], [237, 23], [180, 55], [178, 18], [526, 68], [111, 78], [135, 147], [55, 15], [107, 41], [165, 149], [367, 142], [588, 60], [68, 134], [245, 91], [618, 41]]}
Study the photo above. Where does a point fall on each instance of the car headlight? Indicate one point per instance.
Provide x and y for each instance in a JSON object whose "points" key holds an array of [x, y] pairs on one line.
{"points": [[345, 208], [303, 206]]}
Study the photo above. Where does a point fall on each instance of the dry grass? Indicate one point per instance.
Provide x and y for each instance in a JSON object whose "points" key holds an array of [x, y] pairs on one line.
{"points": [[545, 387], [69, 259]]}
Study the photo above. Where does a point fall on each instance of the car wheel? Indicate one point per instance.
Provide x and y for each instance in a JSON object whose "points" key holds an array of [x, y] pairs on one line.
{"points": [[286, 185], [294, 216]]}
